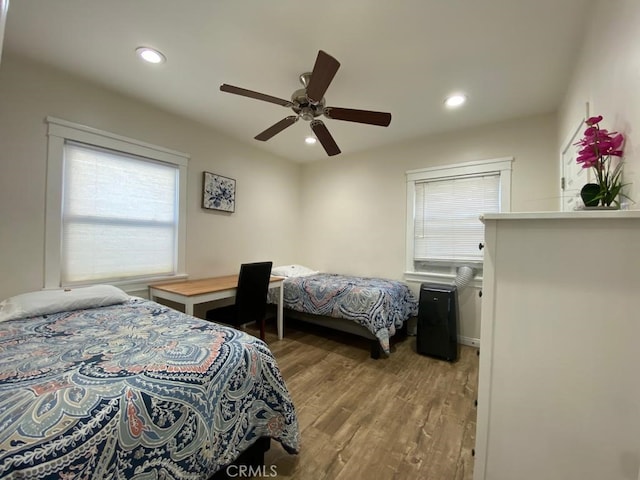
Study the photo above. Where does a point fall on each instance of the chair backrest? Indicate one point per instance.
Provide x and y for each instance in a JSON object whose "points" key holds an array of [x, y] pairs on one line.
{"points": [[251, 296]]}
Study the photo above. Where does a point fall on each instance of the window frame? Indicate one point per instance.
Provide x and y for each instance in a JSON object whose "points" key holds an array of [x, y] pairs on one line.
{"points": [[58, 132], [446, 269]]}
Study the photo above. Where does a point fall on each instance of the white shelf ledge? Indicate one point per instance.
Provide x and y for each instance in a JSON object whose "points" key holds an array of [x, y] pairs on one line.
{"points": [[576, 215]]}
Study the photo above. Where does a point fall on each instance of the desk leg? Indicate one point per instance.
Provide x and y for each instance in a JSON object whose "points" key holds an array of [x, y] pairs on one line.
{"points": [[280, 312], [188, 308]]}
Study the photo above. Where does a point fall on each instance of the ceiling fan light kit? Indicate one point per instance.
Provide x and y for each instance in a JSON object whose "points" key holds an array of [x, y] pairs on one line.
{"points": [[308, 103]]}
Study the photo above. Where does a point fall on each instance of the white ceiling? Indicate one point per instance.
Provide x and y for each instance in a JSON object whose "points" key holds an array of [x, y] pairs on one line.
{"points": [[512, 58]]}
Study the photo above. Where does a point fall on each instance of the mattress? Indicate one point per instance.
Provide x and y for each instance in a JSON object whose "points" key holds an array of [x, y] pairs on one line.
{"points": [[134, 391], [380, 305]]}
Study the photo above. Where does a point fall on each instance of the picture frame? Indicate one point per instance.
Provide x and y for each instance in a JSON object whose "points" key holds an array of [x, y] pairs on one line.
{"points": [[218, 192]]}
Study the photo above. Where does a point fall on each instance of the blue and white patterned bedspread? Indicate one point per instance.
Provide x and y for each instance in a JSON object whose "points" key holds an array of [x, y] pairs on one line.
{"points": [[378, 304], [134, 391]]}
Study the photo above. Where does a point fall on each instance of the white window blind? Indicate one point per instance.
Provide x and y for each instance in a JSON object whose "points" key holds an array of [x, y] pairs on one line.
{"points": [[119, 216], [447, 211]]}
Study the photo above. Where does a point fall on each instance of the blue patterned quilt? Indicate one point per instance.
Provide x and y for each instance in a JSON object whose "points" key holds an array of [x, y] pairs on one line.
{"points": [[378, 304], [134, 391]]}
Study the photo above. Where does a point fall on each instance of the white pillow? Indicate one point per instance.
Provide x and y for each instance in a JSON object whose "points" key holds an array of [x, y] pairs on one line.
{"points": [[292, 271], [44, 302]]}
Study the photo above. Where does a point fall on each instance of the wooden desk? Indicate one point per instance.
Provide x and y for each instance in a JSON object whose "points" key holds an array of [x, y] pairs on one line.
{"points": [[193, 292]]}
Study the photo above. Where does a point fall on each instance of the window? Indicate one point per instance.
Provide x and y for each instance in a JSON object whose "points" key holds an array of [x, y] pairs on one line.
{"points": [[115, 208], [444, 205]]}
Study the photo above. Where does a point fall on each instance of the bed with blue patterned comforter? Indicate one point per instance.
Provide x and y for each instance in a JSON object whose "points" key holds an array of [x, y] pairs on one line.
{"points": [[380, 305], [134, 391]]}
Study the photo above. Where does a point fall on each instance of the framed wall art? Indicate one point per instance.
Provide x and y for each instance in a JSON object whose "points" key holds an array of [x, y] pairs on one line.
{"points": [[218, 192]]}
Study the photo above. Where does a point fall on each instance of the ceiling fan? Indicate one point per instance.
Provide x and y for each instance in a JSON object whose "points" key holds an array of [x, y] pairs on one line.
{"points": [[308, 103]]}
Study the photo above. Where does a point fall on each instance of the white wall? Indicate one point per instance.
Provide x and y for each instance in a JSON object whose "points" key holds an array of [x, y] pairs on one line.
{"points": [[264, 225], [344, 214], [354, 207], [4, 7], [607, 76]]}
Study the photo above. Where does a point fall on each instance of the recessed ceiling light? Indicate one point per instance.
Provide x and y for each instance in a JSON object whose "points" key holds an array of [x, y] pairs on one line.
{"points": [[456, 100], [150, 55], [309, 140]]}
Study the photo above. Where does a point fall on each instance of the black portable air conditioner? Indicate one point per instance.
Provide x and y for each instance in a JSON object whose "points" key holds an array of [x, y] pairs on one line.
{"points": [[437, 331]]}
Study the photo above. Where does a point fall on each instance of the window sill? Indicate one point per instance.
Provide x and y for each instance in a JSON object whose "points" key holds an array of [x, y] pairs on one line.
{"points": [[446, 278], [138, 285]]}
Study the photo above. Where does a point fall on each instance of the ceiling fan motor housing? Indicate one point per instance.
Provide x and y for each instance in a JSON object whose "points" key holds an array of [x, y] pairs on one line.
{"points": [[304, 107]]}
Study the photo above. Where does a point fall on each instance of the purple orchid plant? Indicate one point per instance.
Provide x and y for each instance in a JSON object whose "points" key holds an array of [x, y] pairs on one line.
{"points": [[598, 147]]}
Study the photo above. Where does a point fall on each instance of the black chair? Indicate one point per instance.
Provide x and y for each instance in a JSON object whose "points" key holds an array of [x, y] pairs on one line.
{"points": [[251, 298]]}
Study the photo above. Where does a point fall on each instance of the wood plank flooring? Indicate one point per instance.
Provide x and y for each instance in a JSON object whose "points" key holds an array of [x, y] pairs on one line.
{"points": [[404, 417]]}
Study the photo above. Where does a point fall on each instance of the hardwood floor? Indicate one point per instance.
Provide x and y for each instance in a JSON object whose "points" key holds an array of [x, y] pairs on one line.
{"points": [[404, 417]]}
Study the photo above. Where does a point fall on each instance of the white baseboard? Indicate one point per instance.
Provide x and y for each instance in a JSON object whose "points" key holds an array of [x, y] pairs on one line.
{"points": [[472, 342]]}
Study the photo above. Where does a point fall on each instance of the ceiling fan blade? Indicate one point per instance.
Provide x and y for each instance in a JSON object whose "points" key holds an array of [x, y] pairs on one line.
{"points": [[323, 72], [382, 119], [257, 95], [325, 138], [276, 128]]}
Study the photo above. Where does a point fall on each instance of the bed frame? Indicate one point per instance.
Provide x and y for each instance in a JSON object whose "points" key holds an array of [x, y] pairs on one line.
{"points": [[252, 457], [343, 325]]}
